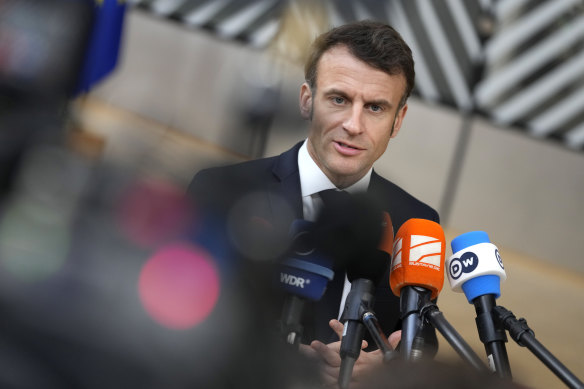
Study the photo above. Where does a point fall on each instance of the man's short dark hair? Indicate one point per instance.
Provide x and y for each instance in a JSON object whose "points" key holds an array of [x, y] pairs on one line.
{"points": [[377, 44]]}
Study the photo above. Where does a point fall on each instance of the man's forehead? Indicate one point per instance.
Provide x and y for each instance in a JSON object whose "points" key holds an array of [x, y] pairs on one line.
{"points": [[339, 69]]}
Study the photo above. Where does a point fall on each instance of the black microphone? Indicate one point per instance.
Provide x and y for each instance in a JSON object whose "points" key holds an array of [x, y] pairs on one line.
{"points": [[364, 275], [303, 275], [351, 229], [349, 226]]}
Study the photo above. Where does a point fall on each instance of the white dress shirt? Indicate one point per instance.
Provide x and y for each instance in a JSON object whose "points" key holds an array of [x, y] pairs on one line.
{"points": [[312, 181]]}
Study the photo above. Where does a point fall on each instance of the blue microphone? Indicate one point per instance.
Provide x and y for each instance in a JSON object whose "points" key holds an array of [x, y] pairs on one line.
{"points": [[303, 275], [476, 268]]}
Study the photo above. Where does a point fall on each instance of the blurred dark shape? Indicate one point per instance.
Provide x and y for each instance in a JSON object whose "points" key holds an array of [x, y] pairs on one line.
{"points": [[258, 114], [350, 228], [372, 269], [42, 44], [251, 230]]}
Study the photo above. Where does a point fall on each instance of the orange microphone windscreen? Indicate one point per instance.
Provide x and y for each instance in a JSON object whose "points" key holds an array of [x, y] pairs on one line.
{"points": [[418, 256]]}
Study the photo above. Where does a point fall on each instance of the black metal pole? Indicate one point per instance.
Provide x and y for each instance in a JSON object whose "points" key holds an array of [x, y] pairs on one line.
{"points": [[291, 328], [524, 336], [432, 314], [492, 334], [412, 298]]}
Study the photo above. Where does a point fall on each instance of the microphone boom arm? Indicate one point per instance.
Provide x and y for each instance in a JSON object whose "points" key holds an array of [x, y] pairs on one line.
{"points": [[524, 336], [431, 314]]}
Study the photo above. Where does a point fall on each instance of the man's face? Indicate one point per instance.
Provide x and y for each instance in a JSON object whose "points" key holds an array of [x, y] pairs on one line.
{"points": [[354, 112]]}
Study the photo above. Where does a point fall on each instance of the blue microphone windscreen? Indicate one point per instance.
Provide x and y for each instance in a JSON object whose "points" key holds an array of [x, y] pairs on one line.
{"points": [[307, 270], [303, 283], [469, 239], [482, 285]]}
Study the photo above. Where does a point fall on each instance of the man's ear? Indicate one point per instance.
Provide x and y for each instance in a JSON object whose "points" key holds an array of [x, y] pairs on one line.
{"points": [[399, 119], [305, 101]]}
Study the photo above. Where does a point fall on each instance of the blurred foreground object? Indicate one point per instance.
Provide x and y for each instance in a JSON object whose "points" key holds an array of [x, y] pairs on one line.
{"points": [[42, 45], [104, 44]]}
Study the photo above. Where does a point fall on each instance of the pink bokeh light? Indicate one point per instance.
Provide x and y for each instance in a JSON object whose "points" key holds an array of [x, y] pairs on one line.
{"points": [[179, 286]]}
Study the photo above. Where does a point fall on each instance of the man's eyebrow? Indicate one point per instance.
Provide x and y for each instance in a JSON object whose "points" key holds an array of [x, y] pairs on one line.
{"points": [[334, 91], [381, 102]]}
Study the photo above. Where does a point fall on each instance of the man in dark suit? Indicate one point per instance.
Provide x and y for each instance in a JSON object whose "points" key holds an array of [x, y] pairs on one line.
{"points": [[358, 79]]}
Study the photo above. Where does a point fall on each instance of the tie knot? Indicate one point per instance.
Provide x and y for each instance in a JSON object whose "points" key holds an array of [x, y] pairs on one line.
{"points": [[334, 197]]}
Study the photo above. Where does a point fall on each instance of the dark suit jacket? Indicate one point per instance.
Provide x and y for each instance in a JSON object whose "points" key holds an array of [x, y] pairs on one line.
{"points": [[276, 198]]}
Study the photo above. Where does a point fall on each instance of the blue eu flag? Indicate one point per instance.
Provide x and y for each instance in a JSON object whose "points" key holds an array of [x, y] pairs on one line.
{"points": [[104, 44]]}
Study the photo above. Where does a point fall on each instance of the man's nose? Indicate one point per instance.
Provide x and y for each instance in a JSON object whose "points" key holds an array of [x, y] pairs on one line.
{"points": [[353, 123]]}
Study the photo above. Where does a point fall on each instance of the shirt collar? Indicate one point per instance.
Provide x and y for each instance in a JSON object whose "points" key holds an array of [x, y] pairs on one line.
{"points": [[313, 180]]}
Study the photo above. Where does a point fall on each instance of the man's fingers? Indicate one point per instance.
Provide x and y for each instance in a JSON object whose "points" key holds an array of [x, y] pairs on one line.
{"points": [[394, 339], [330, 373], [329, 353], [307, 351], [338, 327]]}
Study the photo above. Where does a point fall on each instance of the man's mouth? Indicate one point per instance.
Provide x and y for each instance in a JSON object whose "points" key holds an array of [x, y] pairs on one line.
{"points": [[348, 146]]}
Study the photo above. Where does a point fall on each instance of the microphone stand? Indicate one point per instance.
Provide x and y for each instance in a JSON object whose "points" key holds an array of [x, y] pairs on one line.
{"points": [[360, 297], [431, 314], [372, 325], [360, 317], [492, 334], [524, 337], [412, 298], [290, 327]]}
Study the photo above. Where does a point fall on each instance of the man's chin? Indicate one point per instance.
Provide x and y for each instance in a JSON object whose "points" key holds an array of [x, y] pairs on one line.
{"points": [[347, 176]]}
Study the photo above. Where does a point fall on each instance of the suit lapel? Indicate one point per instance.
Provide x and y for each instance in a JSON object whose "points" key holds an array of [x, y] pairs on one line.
{"points": [[286, 185]]}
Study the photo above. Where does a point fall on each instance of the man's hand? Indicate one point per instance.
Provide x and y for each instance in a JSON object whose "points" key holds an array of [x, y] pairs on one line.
{"points": [[330, 357]]}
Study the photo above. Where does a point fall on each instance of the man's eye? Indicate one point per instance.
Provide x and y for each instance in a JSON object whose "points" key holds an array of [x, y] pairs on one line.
{"points": [[375, 108], [338, 100]]}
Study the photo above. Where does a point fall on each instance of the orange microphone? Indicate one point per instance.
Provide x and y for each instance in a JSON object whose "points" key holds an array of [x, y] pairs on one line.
{"points": [[417, 276]]}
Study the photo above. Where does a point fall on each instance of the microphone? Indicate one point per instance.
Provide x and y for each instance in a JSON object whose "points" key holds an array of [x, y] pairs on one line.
{"points": [[369, 318], [354, 231], [476, 268], [350, 226], [304, 275], [416, 277], [364, 276]]}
